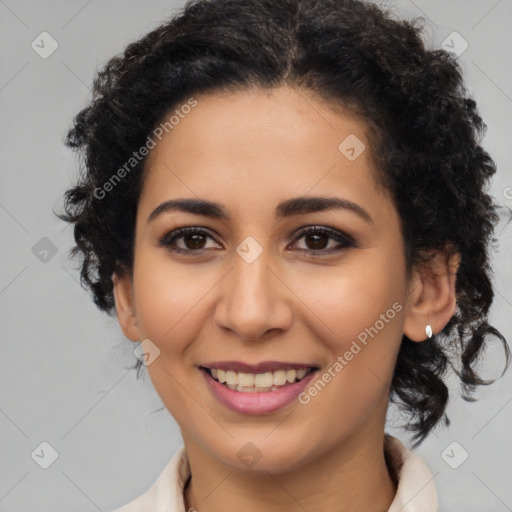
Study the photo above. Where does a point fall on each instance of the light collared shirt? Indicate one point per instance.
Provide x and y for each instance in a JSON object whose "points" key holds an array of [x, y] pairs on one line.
{"points": [[416, 490]]}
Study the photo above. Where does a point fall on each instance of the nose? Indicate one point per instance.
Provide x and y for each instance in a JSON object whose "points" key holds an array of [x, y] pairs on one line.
{"points": [[253, 300]]}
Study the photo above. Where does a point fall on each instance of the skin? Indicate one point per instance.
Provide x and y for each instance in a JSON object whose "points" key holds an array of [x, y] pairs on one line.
{"points": [[284, 306]]}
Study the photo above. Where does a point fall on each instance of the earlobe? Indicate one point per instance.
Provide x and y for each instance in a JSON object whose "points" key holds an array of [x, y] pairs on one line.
{"points": [[123, 296], [432, 297]]}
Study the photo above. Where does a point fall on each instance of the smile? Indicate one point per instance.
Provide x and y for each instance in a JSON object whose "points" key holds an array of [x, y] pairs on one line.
{"points": [[258, 382], [260, 392]]}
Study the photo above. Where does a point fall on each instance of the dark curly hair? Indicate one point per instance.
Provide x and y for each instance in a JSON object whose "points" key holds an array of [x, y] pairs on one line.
{"points": [[425, 135]]}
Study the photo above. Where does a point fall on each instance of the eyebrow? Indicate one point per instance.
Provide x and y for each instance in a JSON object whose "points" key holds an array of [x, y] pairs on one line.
{"points": [[293, 206]]}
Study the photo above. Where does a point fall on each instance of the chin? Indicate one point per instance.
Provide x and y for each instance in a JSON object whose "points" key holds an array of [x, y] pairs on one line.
{"points": [[265, 456]]}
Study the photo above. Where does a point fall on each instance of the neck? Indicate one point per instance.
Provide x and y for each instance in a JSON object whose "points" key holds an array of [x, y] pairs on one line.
{"points": [[351, 477]]}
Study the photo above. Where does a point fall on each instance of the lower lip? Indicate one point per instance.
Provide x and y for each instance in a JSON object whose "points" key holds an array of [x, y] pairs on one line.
{"points": [[257, 403]]}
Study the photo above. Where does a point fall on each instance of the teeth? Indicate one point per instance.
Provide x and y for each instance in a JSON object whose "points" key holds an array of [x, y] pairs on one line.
{"points": [[251, 382], [280, 378], [231, 378], [246, 379], [255, 390], [263, 380]]}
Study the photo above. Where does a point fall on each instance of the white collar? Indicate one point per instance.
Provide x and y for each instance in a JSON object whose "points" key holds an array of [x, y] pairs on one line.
{"points": [[416, 490]]}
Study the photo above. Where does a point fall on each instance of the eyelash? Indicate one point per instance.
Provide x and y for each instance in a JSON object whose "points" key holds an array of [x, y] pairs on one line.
{"points": [[168, 240]]}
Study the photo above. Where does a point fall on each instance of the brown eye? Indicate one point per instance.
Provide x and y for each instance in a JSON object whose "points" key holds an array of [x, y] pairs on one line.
{"points": [[317, 240], [193, 240]]}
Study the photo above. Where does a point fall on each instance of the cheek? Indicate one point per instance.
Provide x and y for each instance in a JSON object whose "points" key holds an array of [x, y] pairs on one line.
{"points": [[168, 297], [361, 325], [168, 300], [364, 315], [359, 300]]}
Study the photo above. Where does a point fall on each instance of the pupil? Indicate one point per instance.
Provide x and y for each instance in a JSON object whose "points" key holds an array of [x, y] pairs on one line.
{"points": [[196, 241], [315, 243]]}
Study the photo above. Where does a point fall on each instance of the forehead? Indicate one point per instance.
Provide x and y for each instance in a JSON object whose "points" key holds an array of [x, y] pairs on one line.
{"points": [[259, 147]]}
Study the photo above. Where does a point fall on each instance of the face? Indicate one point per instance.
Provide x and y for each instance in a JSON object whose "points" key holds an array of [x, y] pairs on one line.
{"points": [[260, 284]]}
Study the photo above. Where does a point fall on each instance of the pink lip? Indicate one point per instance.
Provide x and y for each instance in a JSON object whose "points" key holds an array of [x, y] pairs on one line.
{"points": [[263, 367], [256, 403]]}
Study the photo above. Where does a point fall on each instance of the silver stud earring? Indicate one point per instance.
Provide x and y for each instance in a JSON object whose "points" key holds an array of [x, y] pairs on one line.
{"points": [[428, 330]]}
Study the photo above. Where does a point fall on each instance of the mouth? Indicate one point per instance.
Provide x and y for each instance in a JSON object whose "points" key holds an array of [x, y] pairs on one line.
{"points": [[264, 381]]}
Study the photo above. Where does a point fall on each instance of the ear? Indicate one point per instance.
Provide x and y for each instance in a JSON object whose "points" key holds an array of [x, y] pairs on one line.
{"points": [[123, 295], [432, 298]]}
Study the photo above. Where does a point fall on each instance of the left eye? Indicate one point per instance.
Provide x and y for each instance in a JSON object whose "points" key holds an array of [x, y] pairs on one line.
{"points": [[317, 238]]}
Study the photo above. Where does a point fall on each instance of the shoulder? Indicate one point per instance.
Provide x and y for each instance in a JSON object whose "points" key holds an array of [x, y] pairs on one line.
{"points": [[167, 491]]}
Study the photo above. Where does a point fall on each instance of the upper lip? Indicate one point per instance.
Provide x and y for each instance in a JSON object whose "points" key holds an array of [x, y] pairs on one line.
{"points": [[263, 367]]}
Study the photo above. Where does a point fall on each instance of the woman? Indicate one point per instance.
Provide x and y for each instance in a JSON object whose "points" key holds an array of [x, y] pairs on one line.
{"points": [[285, 203]]}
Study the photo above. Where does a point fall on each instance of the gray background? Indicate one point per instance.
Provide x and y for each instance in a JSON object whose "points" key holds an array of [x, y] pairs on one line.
{"points": [[64, 377]]}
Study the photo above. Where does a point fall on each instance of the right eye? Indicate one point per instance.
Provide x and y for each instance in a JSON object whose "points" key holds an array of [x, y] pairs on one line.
{"points": [[193, 240]]}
